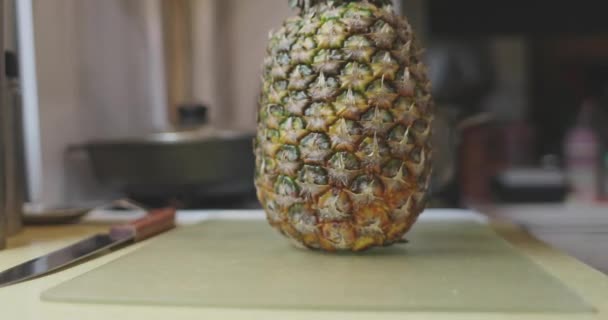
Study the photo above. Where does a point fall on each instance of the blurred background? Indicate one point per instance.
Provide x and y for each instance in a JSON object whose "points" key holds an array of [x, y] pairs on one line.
{"points": [[156, 100]]}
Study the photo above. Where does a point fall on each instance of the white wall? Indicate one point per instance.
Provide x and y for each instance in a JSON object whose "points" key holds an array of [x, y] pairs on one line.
{"points": [[93, 63], [250, 22], [230, 38], [59, 105]]}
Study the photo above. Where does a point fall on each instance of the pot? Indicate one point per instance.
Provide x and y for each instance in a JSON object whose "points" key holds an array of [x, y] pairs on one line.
{"points": [[187, 167]]}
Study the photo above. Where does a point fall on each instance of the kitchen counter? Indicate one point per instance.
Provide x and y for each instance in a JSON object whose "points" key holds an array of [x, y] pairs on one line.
{"points": [[580, 230], [22, 301]]}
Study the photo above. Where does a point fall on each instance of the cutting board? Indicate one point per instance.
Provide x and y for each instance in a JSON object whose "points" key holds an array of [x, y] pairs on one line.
{"points": [[447, 266]]}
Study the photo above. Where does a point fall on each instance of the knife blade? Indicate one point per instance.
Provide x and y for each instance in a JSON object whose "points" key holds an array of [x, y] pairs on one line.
{"points": [[156, 222]]}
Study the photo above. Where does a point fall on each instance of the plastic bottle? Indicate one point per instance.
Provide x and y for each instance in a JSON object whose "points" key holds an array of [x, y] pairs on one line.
{"points": [[582, 155]]}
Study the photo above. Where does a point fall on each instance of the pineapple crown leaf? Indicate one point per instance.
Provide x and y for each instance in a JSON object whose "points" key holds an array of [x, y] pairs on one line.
{"points": [[307, 4]]}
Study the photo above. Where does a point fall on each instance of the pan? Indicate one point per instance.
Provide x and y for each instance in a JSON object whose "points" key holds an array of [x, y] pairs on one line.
{"points": [[190, 166]]}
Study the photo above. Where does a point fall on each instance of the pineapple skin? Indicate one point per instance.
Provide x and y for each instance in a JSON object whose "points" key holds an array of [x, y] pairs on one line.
{"points": [[343, 153]]}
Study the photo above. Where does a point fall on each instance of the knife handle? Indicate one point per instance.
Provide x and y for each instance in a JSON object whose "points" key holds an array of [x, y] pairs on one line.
{"points": [[156, 222]]}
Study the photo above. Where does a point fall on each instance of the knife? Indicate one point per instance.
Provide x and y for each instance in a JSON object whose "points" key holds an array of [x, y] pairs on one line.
{"points": [[156, 222]]}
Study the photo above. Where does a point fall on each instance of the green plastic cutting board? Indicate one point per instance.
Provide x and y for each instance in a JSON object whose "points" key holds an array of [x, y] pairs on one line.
{"points": [[447, 266]]}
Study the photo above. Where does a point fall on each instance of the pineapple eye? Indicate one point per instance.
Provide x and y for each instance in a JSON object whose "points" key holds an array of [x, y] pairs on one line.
{"points": [[334, 205], [404, 104], [301, 210], [292, 25], [344, 160], [373, 152], [303, 50], [301, 76], [398, 133], [358, 19], [313, 174], [306, 43], [309, 27], [280, 85], [305, 70], [392, 168], [382, 57], [318, 140], [357, 68], [377, 116], [332, 83], [287, 160], [319, 116], [416, 155], [356, 76], [321, 109], [324, 88], [358, 48], [285, 186], [293, 123], [273, 210], [405, 84], [377, 120], [358, 12], [328, 62], [424, 101], [383, 35], [270, 166], [420, 126], [296, 102], [331, 12], [384, 65], [380, 94], [292, 129], [328, 55], [350, 104], [300, 95], [315, 147], [357, 41], [404, 110], [276, 110], [366, 185], [303, 218], [272, 135], [340, 234], [331, 35], [284, 43], [272, 115], [344, 134], [419, 71], [288, 153], [283, 59], [399, 141]]}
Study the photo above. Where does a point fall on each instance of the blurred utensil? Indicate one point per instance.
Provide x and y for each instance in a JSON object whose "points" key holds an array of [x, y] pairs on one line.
{"points": [[202, 163], [12, 135], [35, 215], [156, 222], [53, 216]]}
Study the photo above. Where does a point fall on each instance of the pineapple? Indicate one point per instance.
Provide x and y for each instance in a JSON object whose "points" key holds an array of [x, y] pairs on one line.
{"points": [[343, 154]]}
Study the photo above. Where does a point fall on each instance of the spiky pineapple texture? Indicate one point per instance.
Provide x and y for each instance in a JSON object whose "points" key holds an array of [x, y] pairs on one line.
{"points": [[343, 155]]}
